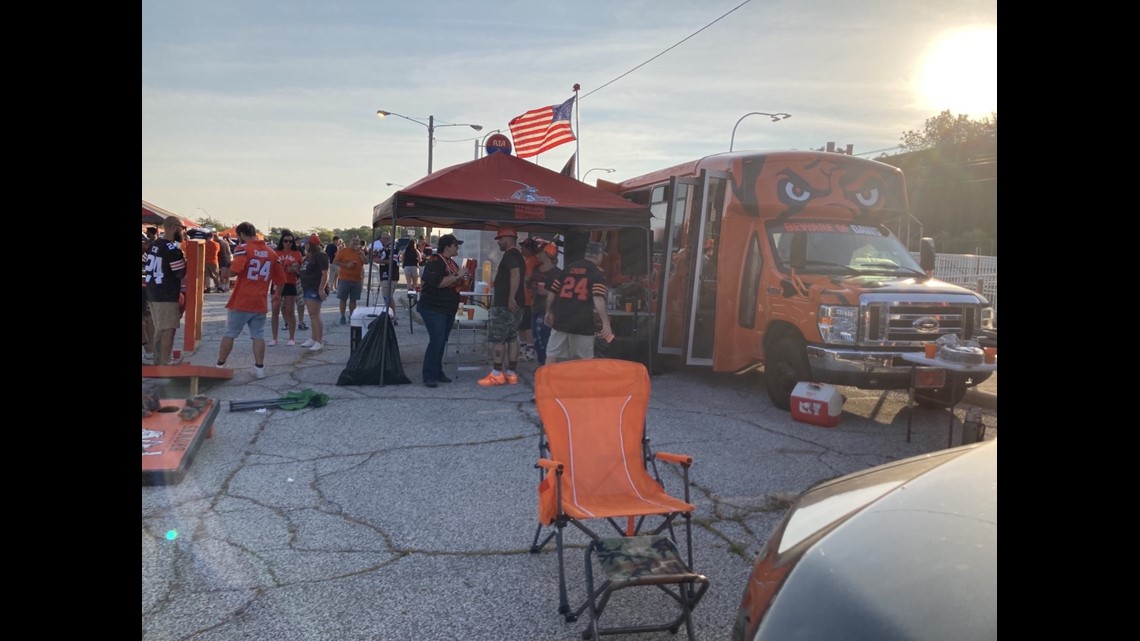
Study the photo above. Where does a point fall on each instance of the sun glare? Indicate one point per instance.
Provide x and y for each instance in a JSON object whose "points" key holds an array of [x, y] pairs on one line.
{"points": [[959, 73]]}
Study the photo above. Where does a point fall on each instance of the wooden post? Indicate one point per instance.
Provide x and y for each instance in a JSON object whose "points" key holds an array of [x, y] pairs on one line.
{"points": [[195, 252]]}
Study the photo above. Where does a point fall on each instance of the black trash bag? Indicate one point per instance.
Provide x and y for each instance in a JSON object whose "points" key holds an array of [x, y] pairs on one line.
{"points": [[377, 357]]}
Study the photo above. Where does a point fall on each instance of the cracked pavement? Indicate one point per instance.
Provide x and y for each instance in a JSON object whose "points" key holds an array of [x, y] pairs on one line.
{"points": [[403, 512]]}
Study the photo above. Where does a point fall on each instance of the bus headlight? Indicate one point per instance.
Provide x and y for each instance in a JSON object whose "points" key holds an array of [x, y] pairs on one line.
{"points": [[987, 318], [838, 323]]}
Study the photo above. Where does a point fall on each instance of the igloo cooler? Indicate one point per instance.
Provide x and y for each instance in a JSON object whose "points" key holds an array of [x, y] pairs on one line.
{"points": [[362, 317], [817, 404]]}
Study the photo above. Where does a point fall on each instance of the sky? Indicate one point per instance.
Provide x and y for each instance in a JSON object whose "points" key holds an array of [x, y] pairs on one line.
{"points": [[265, 111]]}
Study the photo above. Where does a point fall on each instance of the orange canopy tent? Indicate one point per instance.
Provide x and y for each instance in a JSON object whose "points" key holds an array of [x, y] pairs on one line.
{"points": [[232, 233]]}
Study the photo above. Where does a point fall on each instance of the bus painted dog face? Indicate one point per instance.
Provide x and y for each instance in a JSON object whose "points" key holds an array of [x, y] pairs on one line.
{"points": [[783, 186]]}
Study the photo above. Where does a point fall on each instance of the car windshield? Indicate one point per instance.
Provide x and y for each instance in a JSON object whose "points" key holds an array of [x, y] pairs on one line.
{"points": [[838, 248]]}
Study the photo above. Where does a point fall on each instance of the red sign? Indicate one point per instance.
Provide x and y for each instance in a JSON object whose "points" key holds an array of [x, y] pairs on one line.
{"points": [[498, 143]]}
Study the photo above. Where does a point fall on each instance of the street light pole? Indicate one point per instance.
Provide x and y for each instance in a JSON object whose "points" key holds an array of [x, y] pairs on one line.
{"points": [[605, 169], [431, 127], [775, 118]]}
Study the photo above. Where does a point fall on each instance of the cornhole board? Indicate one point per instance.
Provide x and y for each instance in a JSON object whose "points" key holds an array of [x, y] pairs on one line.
{"points": [[192, 372], [169, 442]]}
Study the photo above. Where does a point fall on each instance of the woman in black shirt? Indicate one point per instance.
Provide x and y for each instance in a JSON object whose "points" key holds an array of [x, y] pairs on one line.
{"points": [[439, 302]]}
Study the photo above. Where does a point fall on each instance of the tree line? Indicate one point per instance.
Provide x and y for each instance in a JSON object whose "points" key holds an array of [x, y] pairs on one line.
{"points": [[950, 166]]}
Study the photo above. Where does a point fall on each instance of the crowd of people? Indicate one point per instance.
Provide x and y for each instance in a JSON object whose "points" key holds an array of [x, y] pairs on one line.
{"points": [[537, 311]]}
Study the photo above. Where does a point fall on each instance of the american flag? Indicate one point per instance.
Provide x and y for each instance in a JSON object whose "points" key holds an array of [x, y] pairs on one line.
{"points": [[542, 129]]}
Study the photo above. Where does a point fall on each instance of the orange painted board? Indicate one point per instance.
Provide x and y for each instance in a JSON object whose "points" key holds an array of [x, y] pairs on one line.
{"points": [[183, 371], [169, 443]]}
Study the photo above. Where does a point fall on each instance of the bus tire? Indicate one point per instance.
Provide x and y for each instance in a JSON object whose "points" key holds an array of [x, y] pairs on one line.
{"points": [[786, 366]]}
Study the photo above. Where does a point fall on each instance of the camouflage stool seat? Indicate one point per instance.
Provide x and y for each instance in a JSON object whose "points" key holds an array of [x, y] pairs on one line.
{"points": [[631, 561]]}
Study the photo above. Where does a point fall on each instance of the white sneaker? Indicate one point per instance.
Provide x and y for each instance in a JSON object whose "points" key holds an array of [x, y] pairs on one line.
{"points": [[291, 342], [258, 372], [308, 343], [316, 347], [272, 343]]}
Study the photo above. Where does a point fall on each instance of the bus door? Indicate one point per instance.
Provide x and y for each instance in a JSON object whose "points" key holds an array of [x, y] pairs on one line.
{"points": [[705, 237], [672, 311]]}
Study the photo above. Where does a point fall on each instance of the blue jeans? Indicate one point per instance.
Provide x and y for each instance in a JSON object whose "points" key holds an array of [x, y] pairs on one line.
{"points": [[439, 329], [541, 334]]}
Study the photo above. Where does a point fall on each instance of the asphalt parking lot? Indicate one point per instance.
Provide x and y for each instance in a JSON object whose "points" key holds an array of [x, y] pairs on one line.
{"points": [[403, 512]]}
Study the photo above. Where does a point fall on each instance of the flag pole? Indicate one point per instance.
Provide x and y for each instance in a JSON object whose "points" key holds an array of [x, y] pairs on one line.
{"points": [[578, 134]]}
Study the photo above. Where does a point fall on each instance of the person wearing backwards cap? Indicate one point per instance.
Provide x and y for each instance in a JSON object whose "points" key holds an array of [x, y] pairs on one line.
{"points": [[571, 302], [506, 311], [256, 267], [439, 302]]}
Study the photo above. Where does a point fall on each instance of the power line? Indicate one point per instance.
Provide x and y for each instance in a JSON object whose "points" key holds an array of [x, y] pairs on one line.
{"points": [[665, 51], [875, 151]]}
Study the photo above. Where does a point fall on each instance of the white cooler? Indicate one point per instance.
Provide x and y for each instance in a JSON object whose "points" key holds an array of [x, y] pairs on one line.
{"points": [[362, 317]]}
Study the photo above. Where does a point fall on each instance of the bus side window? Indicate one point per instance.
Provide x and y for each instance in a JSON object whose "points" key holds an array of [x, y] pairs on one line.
{"points": [[783, 246]]}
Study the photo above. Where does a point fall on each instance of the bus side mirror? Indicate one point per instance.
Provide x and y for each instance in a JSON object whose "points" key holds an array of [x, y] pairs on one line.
{"points": [[926, 254], [799, 250]]}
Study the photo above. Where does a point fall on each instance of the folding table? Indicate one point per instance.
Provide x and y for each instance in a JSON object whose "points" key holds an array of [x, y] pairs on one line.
{"points": [[954, 372]]}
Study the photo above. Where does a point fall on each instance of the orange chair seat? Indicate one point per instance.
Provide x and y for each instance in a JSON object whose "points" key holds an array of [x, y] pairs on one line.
{"points": [[600, 507]]}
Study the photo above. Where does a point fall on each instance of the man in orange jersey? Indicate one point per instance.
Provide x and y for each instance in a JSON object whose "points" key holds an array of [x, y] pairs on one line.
{"points": [[256, 266]]}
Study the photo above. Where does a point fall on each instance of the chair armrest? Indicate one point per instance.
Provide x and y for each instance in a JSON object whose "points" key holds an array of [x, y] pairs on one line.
{"points": [[553, 466], [683, 460]]}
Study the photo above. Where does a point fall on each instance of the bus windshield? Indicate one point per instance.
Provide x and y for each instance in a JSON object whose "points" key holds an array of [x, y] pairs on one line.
{"points": [[842, 248]]}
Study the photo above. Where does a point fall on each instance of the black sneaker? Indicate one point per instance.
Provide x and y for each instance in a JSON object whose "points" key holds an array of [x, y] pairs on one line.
{"points": [[430, 384], [302, 326], [444, 379]]}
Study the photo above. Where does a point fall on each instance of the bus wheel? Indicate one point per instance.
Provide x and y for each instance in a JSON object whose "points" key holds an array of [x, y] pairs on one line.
{"points": [[787, 365]]}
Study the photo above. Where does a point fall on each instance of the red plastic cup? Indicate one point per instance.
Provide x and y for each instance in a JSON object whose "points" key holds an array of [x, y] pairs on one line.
{"points": [[176, 354], [990, 355], [930, 350]]}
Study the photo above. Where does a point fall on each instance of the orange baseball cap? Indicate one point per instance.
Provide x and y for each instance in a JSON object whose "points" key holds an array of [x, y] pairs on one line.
{"points": [[506, 231], [313, 238]]}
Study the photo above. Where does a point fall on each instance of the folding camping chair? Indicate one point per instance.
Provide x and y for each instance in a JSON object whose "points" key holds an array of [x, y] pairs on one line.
{"points": [[594, 463]]}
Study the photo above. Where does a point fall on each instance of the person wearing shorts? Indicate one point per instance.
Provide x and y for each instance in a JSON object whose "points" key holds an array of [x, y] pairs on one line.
{"points": [[350, 283], [570, 305], [506, 311], [256, 267], [290, 259], [165, 269], [411, 261], [313, 281]]}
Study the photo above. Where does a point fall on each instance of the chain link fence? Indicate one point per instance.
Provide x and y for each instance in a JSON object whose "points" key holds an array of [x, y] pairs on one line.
{"points": [[978, 273]]}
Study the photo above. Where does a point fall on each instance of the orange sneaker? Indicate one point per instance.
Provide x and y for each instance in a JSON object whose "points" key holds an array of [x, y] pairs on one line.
{"points": [[512, 379], [492, 379]]}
